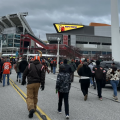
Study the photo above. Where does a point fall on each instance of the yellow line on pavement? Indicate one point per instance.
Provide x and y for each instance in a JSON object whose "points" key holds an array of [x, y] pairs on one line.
{"points": [[38, 108], [25, 101]]}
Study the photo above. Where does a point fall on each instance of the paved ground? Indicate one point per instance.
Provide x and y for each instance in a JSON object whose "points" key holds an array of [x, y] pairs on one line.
{"points": [[14, 108]]}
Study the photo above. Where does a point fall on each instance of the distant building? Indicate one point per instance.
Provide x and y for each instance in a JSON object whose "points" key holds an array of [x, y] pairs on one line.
{"points": [[92, 39]]}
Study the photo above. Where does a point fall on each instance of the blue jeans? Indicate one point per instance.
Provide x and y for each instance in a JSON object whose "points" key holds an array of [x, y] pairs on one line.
{"points": [[4, 75], [54, 70], [19, 75], [114, 84], [91, 81]]}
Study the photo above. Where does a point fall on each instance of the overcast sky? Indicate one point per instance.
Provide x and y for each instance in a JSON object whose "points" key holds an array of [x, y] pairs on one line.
{"points": [[43, 13]]}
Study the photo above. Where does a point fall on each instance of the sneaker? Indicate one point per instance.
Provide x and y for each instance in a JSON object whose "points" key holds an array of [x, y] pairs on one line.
{"points": [[85, 98], [116, 99], [17, 80], [59, 112], [31, 112], [113, 96], [101, 99], [67, 116]]}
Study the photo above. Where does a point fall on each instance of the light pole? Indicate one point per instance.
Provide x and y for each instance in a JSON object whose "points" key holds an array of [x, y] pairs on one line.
{"points": [[27, 52], [58, 39]]}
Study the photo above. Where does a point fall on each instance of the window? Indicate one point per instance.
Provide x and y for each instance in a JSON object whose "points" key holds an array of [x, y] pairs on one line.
{"points": [[17, 36], [103, 53], [84, 52], [106, 43], [10, 36], [96, 43], [81, 42], [0, 37], [16, 45], [10, 40], [16, 41], [94, 52], [109, 53], [10, 44]]}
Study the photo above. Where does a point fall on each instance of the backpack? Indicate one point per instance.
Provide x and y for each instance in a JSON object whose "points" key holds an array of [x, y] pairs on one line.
{"points": [[73, 68], [99, 73]]}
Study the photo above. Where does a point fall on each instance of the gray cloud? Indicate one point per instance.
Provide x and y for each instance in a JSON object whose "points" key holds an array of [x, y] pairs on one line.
{"points": [[43, 13]]}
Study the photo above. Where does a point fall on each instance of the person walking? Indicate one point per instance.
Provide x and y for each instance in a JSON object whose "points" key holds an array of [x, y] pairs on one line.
{"points": [[22, 66], [36, 77], [114, 76], [6, 71], [91, 67], [100, 77], [54, 66], [73, 68], [51, 65], [18, 70], [63, 87], [85, 73]]}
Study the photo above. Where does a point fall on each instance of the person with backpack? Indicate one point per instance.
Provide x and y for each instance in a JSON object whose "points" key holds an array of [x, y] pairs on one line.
{"points": [[85, 73], [63, 87], [114, 76], [73, 68], [35, 74], [100, 77]]}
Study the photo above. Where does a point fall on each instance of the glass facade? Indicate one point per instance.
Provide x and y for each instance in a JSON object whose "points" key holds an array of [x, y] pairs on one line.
{"points": [[10, 40]]}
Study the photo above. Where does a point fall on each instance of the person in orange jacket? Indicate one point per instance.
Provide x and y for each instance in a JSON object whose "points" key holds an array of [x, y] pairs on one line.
{"points": [[6, 71]]}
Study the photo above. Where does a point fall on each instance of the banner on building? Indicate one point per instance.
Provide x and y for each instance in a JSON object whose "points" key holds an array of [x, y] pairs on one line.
{"points": [[65, 39], [66, 27]]}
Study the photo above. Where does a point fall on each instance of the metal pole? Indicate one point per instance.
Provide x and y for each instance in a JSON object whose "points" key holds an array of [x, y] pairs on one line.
{"points": [[27, 53], [58, 55]]}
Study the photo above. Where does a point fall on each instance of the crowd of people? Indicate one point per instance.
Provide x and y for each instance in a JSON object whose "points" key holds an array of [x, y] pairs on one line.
{"points": [[91, 73]]}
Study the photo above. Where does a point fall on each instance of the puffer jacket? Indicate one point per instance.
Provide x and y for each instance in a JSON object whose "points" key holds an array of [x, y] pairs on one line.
{"points": [[63, 82], [113, 75], [34, 75]]}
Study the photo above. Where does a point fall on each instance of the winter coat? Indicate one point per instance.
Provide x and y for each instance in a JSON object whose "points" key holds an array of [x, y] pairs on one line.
{"points": [[99, 73], [113, 75], [85, 71], [34, 75], [17, 66], [63, 82], [22, 66], [67, 68]]}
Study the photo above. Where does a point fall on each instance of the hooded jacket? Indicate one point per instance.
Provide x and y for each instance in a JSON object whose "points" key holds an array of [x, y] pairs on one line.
{"points": [[22, 66], [35, 73], [63, 82]]}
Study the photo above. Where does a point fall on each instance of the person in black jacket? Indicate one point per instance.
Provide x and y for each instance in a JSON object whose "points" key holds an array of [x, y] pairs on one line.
{"points": [[36, 76], [22, 66], [85, 73], [100, 77], [63, 87]]}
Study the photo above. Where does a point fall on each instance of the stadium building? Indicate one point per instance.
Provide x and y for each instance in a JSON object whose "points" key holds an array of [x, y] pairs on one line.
{"points": [[92, 39], [16, 34]]}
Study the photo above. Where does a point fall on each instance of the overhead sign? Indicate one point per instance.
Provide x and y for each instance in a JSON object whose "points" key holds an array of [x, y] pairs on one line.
{"points": [[65, 39], [66, 27]]}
